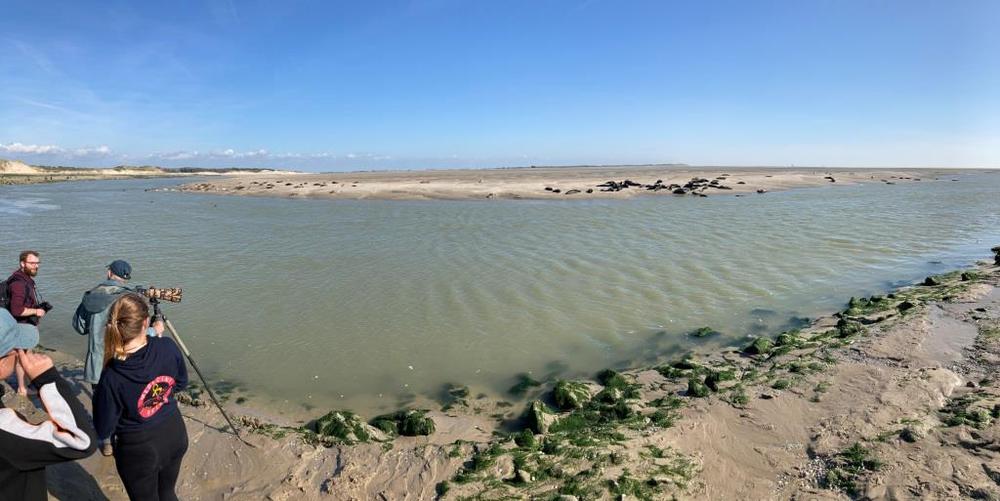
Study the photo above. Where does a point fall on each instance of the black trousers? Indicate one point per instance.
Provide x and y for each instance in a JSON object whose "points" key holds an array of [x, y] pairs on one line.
{"points": [[149, 460]]}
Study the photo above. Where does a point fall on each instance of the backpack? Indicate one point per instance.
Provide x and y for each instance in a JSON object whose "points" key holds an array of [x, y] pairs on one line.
{"points": [[5, 294]]}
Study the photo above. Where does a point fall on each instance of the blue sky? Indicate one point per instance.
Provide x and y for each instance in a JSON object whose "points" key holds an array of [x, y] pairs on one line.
{"points": [[329, 86]]}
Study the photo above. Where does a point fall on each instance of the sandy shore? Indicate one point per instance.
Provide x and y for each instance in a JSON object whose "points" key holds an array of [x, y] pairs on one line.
{"points": [[549, 182], [896, 397], [14, 179], [13, 172]]}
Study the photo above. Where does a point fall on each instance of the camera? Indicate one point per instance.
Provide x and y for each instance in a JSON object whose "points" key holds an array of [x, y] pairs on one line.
{"points": [[46, 306], [172, 294]]}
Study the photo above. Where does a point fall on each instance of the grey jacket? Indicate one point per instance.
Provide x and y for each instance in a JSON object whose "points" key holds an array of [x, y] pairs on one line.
{"points": [[91, 319]]}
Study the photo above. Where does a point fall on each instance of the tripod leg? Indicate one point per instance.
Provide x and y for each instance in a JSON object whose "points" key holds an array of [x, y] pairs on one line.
{"points": [[173, 332]]}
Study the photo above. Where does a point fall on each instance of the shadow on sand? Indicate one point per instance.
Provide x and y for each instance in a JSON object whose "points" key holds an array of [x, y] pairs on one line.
{"points": [[69, 481]]}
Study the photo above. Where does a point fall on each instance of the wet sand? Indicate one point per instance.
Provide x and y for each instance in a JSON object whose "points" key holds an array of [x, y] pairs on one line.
{"points": [[549, 182], [910, 378]]}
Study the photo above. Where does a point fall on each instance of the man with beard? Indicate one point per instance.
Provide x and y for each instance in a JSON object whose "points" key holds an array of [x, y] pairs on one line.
{"points": [[25, 305]]}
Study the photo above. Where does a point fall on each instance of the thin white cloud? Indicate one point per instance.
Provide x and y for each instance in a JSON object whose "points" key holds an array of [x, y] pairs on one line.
{"points": [[95, 151], [104, 155], [51, 149], [30, 149], [259, 154]]}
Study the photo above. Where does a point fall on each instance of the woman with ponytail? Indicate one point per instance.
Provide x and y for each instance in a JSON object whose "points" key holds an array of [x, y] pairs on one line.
{"points": [[134, 404]]}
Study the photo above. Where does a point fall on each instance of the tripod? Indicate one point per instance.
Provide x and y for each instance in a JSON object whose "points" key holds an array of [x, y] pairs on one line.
{"points": [[157, 313]]}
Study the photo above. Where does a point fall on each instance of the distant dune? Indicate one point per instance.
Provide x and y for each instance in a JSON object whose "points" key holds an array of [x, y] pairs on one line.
{"points": [[23, 169], [15, 167], [17, 172]]}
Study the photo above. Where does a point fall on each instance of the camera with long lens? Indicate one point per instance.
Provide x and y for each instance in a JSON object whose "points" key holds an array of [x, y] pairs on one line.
{"points": [[172, 294]]}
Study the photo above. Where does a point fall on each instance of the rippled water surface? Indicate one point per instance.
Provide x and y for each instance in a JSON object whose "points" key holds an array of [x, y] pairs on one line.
{"points": [[363, 304]]}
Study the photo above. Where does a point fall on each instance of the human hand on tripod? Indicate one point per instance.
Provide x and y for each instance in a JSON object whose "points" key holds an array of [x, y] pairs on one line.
{"points": [[157, 325], [157, 322]]}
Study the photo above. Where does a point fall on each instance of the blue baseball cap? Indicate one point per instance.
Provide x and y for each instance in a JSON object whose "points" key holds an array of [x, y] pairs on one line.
{"points": [[121, 269], [14, 335]]}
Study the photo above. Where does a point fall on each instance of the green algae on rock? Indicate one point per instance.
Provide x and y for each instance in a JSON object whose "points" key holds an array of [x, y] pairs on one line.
{"points": [[847, 328], [704, 332], [570, 395], [538, 417], [759, 346], [344, 427], [408, 423], [697, 389]]}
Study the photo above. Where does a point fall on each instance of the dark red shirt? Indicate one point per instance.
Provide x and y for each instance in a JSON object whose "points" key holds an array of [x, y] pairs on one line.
{"points": [[22, 297]]}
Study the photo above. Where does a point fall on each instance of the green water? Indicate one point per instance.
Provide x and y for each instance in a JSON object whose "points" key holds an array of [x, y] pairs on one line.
{"points": [[311, 304]]}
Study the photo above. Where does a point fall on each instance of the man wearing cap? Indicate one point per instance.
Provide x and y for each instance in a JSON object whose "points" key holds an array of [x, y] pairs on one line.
{"points": [[26, 448], [91, 317]]}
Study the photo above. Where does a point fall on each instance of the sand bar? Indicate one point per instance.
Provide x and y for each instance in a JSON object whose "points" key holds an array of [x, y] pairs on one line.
{"points": [[551, 183]]}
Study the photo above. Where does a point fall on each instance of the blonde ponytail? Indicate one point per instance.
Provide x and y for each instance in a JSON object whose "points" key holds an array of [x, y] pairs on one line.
{"points": [[125, 320]]}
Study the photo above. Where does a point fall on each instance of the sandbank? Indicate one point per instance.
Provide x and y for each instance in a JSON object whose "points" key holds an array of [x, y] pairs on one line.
{"points": [[552, 183]]}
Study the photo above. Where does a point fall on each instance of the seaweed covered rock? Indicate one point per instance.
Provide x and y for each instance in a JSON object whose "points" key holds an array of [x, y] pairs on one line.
{"points": [[704, 332], [759, 346], [786, 339], [416, 423], [931, 281], [713, 379], [538, 417], [847, 328], [696, 388], [409, 423], [611, 378], [345, 427], [387, 424], [616, 386], [526, 439], [686, 364], [571, 394]]}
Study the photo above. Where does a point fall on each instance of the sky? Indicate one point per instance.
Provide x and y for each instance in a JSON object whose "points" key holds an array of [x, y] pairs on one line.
{"points": [[334, 86]]}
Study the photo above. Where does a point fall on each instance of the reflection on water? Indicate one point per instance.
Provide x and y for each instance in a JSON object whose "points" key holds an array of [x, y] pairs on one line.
{"points": [[308, 300], [24, 207]]}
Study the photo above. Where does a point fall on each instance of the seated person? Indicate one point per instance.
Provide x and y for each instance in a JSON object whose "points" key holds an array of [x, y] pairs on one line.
{"points": [[26, 449]]}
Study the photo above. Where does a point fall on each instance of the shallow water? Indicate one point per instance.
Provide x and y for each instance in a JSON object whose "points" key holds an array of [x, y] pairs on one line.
{"points": [[362, 304]]}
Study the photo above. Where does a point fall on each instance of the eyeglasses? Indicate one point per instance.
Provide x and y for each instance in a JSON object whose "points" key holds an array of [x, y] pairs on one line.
{"points": [[36, 263]]}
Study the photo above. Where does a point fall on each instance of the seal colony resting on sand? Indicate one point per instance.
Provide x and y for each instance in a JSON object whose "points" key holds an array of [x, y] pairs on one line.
{"points": [[547, 182], [886, 399]]}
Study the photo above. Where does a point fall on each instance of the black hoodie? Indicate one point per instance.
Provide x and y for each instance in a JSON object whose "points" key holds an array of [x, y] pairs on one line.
{"points": [[138, 392], [26, 449]]}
